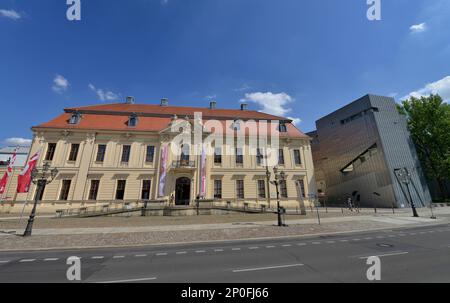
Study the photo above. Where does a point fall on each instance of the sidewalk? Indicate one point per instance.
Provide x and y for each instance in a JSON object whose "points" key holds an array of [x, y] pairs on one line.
{"points": [[54, 238]]}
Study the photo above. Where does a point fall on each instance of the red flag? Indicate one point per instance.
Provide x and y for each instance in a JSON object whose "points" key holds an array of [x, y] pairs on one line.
{"points": [[4, 180], [24, 179]]}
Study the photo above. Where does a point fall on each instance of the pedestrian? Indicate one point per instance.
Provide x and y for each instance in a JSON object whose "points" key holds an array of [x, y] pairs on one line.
{"points": [[350, 204]]}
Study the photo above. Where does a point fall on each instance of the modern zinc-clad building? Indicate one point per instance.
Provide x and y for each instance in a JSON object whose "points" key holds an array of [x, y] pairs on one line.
{"points": [[357, 150]]}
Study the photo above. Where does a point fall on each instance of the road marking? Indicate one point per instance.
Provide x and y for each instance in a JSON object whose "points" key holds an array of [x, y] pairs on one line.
{"points": [[266, 268], [27, 260], [181, 252], [270, 246], [1, 262], [140, 256], [98, 257], [356, 239], [200, 251], [129, 280], [316, 243], [330, 242], [301, 244], [368, 238], [387, 254], [287, 245], [218, 250], [51, 259], [253, 248], [118, 257], [161, 254], [343, 240]]}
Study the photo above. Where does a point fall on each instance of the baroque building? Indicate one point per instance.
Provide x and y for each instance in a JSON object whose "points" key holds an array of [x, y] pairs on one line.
{"points": [[121, 153]]}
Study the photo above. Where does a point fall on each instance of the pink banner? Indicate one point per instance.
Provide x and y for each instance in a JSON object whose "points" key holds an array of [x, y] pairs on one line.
{"points": [[163, 170]]}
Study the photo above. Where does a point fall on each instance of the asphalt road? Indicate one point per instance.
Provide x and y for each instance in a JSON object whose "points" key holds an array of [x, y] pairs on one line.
{"points": [[407, 255]]}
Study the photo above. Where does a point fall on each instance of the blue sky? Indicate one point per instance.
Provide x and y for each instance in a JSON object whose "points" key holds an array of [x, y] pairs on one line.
{"points": [[299, 58]]}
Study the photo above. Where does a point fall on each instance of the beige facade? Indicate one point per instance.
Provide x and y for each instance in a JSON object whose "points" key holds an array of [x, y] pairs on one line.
{"points": [[85, 168]]}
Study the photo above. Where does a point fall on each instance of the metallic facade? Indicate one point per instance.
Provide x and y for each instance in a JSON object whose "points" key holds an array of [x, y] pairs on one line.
{"points": [[356, 150]]}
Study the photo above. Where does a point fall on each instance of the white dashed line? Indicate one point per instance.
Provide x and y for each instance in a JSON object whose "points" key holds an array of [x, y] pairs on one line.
{"points": [[316, 243], [140, 256], [161, 254], [343, 240], [181, 253], [235, 249], [98, 257], [200, 251], [253, 248], [356, 239], [266, 268], [218, 250], [51, 259], [118, 257], [2, 262], [287, 245], [387, 255], [301, 244], [130, 280], [368, 238], [270, 246], [27, 260]]}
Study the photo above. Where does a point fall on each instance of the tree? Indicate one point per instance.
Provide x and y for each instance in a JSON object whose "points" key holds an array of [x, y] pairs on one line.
{"points": [[429, 125]]}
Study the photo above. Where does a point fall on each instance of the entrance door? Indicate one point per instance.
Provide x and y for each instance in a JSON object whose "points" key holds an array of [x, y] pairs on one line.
{"points": [[183, 191]]}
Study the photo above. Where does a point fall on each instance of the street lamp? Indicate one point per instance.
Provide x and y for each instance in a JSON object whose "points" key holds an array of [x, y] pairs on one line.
{"points": [[404, 176], [41, 179], [278, 177]]}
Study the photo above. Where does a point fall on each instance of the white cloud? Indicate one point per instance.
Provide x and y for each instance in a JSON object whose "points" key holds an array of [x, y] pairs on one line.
{"points": [[104, 95], [274, 104], [210, 97], [60, 84], [418, 28], [11, 14], [242, 88], [295, 121], [440, 87], [18, 142]]}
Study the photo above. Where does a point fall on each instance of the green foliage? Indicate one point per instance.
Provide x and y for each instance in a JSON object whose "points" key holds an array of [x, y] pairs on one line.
{"points": [[429, 125]]}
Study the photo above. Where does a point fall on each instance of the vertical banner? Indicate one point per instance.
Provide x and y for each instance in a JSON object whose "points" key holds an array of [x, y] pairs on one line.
{"points": [[163, 170], [24, 179], [203, 174]]}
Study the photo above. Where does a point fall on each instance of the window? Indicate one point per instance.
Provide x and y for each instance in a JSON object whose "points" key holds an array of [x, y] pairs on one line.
{"points": [[133, 120], [101, 153], [74, 152], [126, 153], [93, 191], [236, 125], [240, 189], [185, 151], [282, 128], [259, 157], [280, 157], [217, 189], [365, 156], [120, 191], [297, 157], [150, 156], [146, 187], [360, 115], [50, 152], [64, 195], [218, 155], [239, 156], [262, 189], [283, 189], [301, 185], [75, 118]]}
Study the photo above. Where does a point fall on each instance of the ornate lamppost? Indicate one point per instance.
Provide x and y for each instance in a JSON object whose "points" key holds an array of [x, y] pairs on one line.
{"points": [[404, 176], [278, 177], [41, 179]]}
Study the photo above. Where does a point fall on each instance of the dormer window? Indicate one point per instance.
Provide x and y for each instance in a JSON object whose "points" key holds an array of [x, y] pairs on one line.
{"points": [[133, 120], [282, 127], [75, 118], [236, 125]]}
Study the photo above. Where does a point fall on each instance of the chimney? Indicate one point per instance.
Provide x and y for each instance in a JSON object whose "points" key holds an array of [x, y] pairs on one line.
{"points": [[212, 105], [164, 102], [130, 100], [244, 106]]}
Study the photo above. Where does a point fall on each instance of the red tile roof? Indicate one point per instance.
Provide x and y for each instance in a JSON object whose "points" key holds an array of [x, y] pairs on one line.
{"points": [[114, 117]]}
